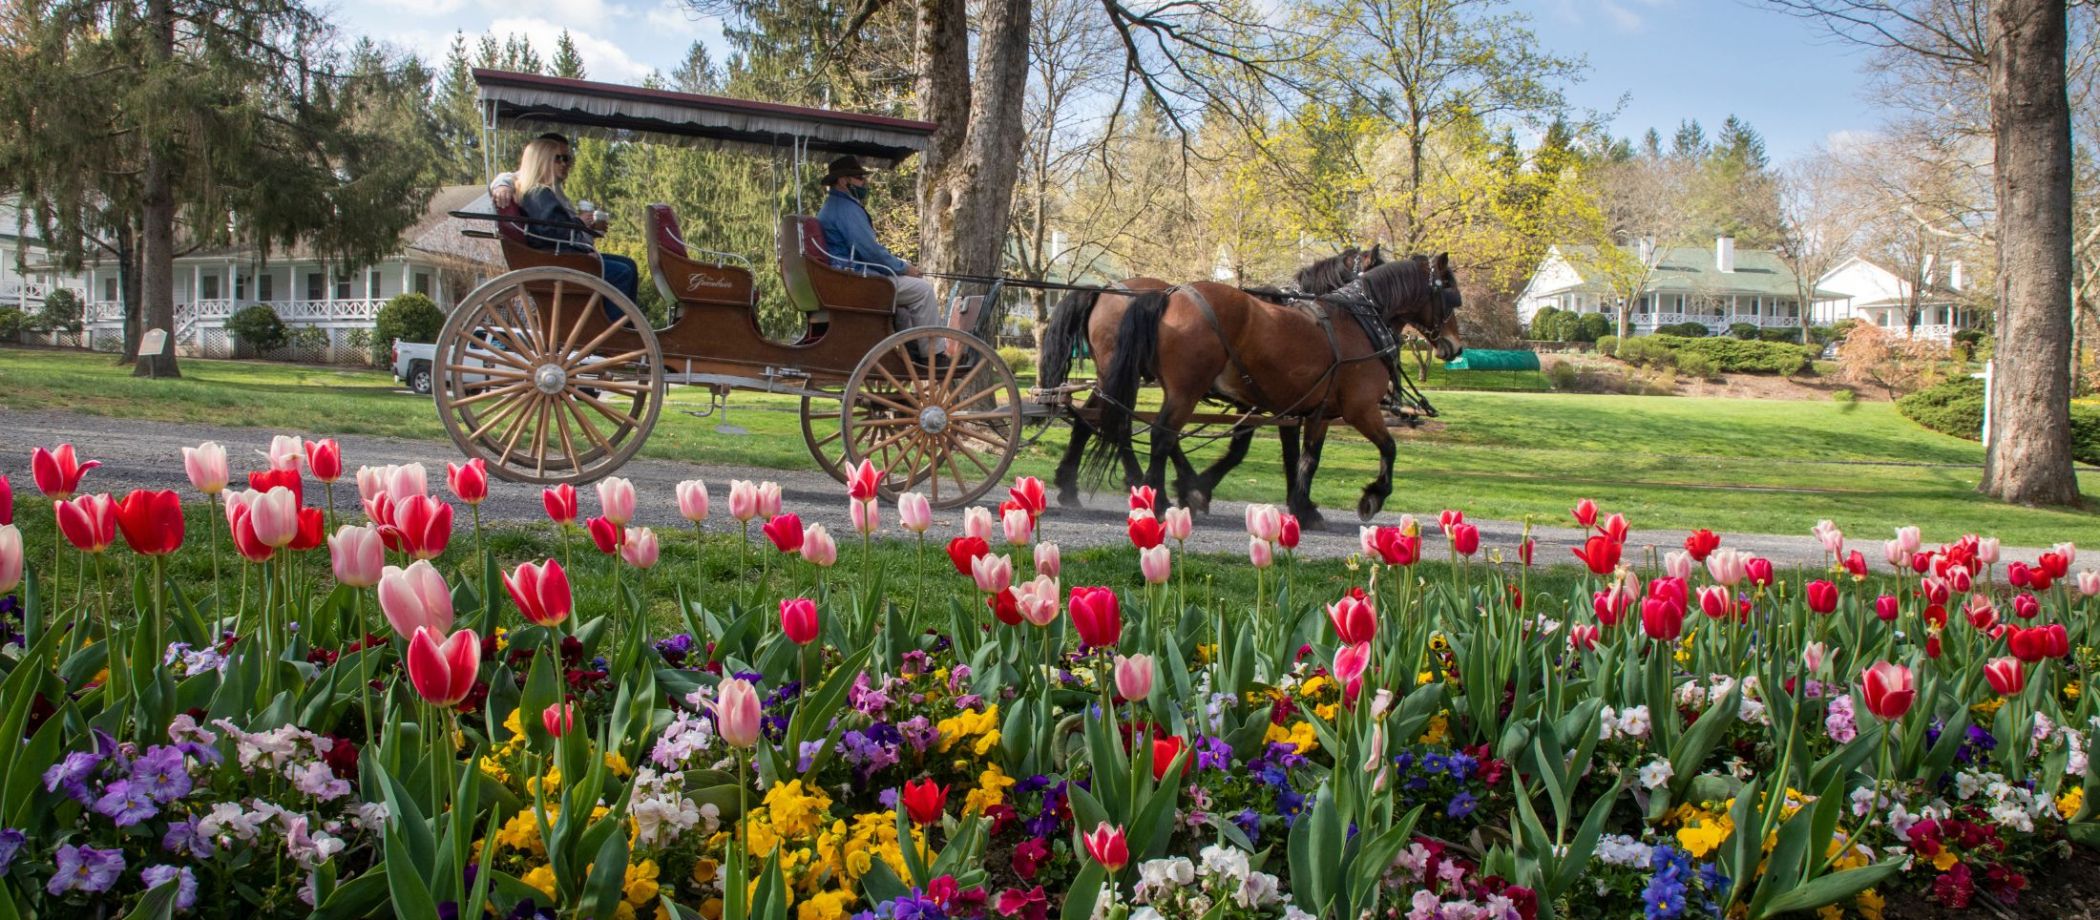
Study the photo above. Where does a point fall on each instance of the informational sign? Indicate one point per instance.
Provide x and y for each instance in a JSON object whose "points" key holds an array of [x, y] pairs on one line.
{"points": [[154, 342]]}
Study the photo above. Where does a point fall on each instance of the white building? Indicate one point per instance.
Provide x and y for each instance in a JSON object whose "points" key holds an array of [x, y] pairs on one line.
{"points": [[26, 273], [1862, 290], [306, 291], [1716, 287]]}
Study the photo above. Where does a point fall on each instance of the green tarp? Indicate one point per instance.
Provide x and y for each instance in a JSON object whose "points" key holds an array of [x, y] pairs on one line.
{"points": [[1490, 359]]}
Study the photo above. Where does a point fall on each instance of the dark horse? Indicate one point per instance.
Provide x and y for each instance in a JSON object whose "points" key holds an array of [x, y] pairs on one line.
{"points": [[1311, 361], [1098, 314]]}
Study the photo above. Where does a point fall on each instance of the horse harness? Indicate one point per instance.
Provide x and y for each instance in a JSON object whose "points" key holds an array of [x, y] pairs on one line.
{"points": [[1401, 397]]}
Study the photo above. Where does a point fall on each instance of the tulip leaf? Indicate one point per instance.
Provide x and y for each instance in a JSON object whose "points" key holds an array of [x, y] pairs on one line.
{"points": [[28, 763], [880, 883], [1379, 852], [158, 904], [1832, 888], [410, 897], [601, 890], [1699, 740], [18, 693], [358, 897], [1085, 891]]}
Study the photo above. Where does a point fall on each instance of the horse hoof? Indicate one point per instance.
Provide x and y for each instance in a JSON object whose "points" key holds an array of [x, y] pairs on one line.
{"points": [[1197, 501], [1069, 498], [1311, 519], [1368, 506]]}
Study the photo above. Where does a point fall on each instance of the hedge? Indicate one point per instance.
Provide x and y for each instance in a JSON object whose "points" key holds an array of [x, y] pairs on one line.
{"points": [[410, 317], [1727, 355], [1956, 407]]}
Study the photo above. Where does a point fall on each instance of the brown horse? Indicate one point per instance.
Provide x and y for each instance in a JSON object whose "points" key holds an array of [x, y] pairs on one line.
{"points": [[1098, 314], [1309, 361]]}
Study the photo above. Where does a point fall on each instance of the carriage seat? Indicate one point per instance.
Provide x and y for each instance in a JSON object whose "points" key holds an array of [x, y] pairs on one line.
{"points": [[518, 251], [813, 283]]}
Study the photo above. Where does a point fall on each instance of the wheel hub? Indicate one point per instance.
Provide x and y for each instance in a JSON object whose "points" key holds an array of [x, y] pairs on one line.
{"points": [[933, 420], [550, 379]]}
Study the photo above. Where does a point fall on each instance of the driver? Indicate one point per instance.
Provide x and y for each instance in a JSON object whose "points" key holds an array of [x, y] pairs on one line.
{"points": [[849, 239], [536, 189]]}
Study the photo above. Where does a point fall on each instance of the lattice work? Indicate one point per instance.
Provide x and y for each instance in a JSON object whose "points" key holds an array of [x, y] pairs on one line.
{"points": [[216, 343]]}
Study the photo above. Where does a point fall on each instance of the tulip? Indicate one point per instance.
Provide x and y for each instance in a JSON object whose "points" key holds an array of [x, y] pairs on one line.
{"points": [[7, 501], [962, 551], [1701, 543], [1959, 579], [977, 522], [1833, 539], [992, 574], [288, 480], [2029, 645], [1856, 564], [443, 671], [1036, 601], [867, 517], [1449, 518], [2006, 675], [1354, 619], [861, 481], [1600, 553], [785, 531], [1715, 601], [924, 801], [1887, 607], [324, 459], [1888, 689], [425, 526], [1288, 537], [1146, 531], [1614, 527], [1759, 570], [1264, 522], [818, 547], [1155, 564], [1134, 676], [151, 521], [1812, 656], [616, 500], [1018, 525], [1610, 606], [1987, 550], [1907, 537], [605, 535], [1892, 551], [561, 504], [241, 525], [1583, 637], [768, 499], [1097, 615], [275, 516], [415, 598], [2026, 607], [1395, 546], [206, 465], [1465, 539], [1585, 513], [736, 710], [1027, 491], [541, 592], [1106, 845], [1662, 620], [1935, 590], [743, 500], [57, 473], [1164, 750], [10, 558], [914, 512], [1005, 606], [2019, 575], [285, 453], [1350, 663], [1727, 566], [798, 619], [1048, 559], [692, 500], [1178, 524], [357, 556], [470, 482], [2089, 583], [1822, 596], [1678, 563], [1260, 553], [2053, 564], [1143, 498], [639, 548], [1980, 612], [558, 718]]}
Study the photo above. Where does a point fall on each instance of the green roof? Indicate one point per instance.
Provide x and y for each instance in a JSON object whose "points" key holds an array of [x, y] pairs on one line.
{"points": [[1691, 269]]}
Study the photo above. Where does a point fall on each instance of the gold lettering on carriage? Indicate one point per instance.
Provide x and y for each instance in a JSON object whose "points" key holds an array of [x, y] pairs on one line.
{"points": [[698, 280]]}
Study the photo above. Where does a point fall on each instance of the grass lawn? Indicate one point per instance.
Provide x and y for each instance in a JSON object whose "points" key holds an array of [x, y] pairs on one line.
{"points": [[1734, 465]]}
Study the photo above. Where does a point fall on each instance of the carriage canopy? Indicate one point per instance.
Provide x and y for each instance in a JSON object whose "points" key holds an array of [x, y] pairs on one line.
{"points": [[532, 102]]}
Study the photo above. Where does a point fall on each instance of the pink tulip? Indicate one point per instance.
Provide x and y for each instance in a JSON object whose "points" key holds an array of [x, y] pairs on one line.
{"points": [[867, 517], [692, 500], [1678, 564], [1179, 524], [1134, 676], [818, 547], [57, 473], [1036, 600], [424, 524], [286, 452], [736, 709], [862, 481], [2089, 583], [914, 512], [206, 465], [541, 592], [1893, 552], [443, 671], [1908, 538], [1888, 689], [640, 548], [1018, 525], [357, 555], [10, 558], [275, 517], [1727, 565], [1260, 552], [1350, 663], [977, 522], [89, 522], [1048, 559], [1583, 637], [769, 499], [1367, 541], [993, 574], [1987, 550], [1264, 523], [1156, 563], [616, 500], [1833, 538], [407, 480], [415, 598], [2067, 550], [324, 459], [469, 481], [558, 718], [1812, 656], [743, 500]]}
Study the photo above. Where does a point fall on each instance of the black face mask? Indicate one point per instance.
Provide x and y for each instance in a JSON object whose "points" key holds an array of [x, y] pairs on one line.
{"points": [[859, 192]]}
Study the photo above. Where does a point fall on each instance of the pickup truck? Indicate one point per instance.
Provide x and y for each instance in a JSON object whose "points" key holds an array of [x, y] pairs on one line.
{"points": [[411, 362]]}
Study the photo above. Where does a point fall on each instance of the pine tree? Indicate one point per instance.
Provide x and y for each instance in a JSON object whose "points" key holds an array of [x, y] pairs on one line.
{"points": [[459, 112], [697, 73], [1690, 140], [1740, 145], [567, 63]]}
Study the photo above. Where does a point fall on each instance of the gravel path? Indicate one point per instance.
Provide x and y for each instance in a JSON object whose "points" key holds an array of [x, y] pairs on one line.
{"points": [[145, 454]]}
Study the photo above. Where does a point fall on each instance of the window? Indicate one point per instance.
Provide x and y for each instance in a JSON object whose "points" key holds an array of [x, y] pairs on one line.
{"points": [[342, 287], [109, 289], [373, 285], [314, 290], [209, 288], [240, 286], [266, 286], [423, 283]]}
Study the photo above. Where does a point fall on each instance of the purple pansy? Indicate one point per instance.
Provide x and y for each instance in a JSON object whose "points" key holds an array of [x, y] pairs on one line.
{"points": [[85, 869]]}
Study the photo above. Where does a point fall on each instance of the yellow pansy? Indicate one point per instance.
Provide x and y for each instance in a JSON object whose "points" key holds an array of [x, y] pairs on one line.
{"points": [[1313, 685], [969, 723], [991, 790], [639, 887], [1870, 904], [1327, 710], [1299, 734], [1439, 728], [829, 905], [1702, 834], [542, 878], [2069, 803], [704, 871]]}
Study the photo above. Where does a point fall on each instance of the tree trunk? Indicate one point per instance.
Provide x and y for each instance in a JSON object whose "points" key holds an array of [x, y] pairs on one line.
{"points": [[970, 174], [157, 217], [2028, 459], [128, 291]]}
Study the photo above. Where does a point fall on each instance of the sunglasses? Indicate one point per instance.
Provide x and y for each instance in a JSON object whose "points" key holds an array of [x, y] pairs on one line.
{"points": [[562, 158]]}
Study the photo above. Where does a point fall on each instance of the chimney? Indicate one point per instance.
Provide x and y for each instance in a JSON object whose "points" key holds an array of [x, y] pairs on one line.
{"points": [[1956, 278], [1724, 253]]}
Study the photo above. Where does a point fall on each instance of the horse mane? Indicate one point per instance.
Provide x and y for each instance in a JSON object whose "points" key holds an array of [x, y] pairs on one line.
{"points": [[1328, 274], [1397, 285]]}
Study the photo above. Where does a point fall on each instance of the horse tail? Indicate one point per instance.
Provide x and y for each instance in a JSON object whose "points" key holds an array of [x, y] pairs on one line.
{"points": [[1137, 345], [1061, 341]]}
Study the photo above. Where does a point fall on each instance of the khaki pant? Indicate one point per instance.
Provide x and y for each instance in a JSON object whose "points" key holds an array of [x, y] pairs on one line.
{"points": [[915, 302]]}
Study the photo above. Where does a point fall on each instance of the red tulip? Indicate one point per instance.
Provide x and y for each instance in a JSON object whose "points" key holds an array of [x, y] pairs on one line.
{"points": [[1889, 690], [324, 458], [1856, 564], [1583, 637], [1143, 498], [265, 480], [558, 718], [2006, 675], [1822, 596], [151, 521], [1355, 620], [1600, 553], [1146, 531], [1107, 845], [862, 482], [425, 525], [443, 671], [1098, 616], [1959, 579], [1164, 750], [608, 536], [7, 502], [2026, 607], [2018, 574], [470, 482], [924, 801], [1027, 491], [2055, 565], [1350, 663], [1700, 543], [1887, 608], [2057, 640], [1715, 601], [560, 502], [1662, 620], [88, 522], [964, 550], [1290, 534], [1465, 539], [1396, 547], [1759, 571], [1526, 549], [785, 530], [1934, 590], [57, 473], [1614, 527], [1005, 605], [240, 522], [1932, 646], [1610, 605], [798, 618], [541, 592], [1586, 513], [2038, 644], [1982, 614], [311, 533]]}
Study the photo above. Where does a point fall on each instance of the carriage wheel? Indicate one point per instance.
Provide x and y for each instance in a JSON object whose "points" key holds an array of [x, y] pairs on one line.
{"points": [[824, 437], [530, 383], [950, 432]]}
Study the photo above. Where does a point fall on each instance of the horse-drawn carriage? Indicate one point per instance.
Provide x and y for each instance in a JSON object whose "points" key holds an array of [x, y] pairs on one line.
{"points": [[550, 374]]}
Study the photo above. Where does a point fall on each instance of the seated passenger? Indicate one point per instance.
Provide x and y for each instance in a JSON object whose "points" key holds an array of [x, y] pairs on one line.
{"points": [[536, 189], [849, 239]]}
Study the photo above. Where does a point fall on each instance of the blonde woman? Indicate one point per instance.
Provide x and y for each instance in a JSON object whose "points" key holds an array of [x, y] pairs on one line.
{"points": [[536, 188]]}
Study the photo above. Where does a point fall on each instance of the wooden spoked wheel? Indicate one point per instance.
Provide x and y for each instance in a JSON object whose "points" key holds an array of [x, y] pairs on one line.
{"points": [[823, 436], [549, 375], [949, 430]]}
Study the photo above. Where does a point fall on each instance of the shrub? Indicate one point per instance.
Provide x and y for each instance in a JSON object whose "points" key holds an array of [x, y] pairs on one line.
{"points": [[1746, 331], [1871, 356], [1593, 326], [61, 312], [1607, 344], [308, 338], [1842, 395], [1647, 351], [1781, 334], [1021, 360], [11, 322], [1950, 407], [410, 317], [1716, 356], [1698, 364], [1684, 330], [1562, 375], [258, 328]]}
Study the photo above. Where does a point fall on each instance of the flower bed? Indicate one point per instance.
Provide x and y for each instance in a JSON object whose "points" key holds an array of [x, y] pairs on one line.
{"points": [[431, 731]]}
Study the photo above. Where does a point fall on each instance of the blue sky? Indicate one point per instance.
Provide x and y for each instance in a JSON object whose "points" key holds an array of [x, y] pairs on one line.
{"points": [[1671, 59]]}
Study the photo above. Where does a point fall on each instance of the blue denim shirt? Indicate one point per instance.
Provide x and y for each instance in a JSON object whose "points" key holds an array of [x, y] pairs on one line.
{"points": [[849, 236]]}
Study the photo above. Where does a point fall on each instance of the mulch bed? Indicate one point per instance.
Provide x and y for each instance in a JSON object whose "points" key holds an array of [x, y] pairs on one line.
{"points": [[2058, 889]]}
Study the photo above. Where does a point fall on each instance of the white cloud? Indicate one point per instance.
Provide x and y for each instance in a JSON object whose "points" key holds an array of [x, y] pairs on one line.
{"points": [[671, 17], [602, 59]]}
